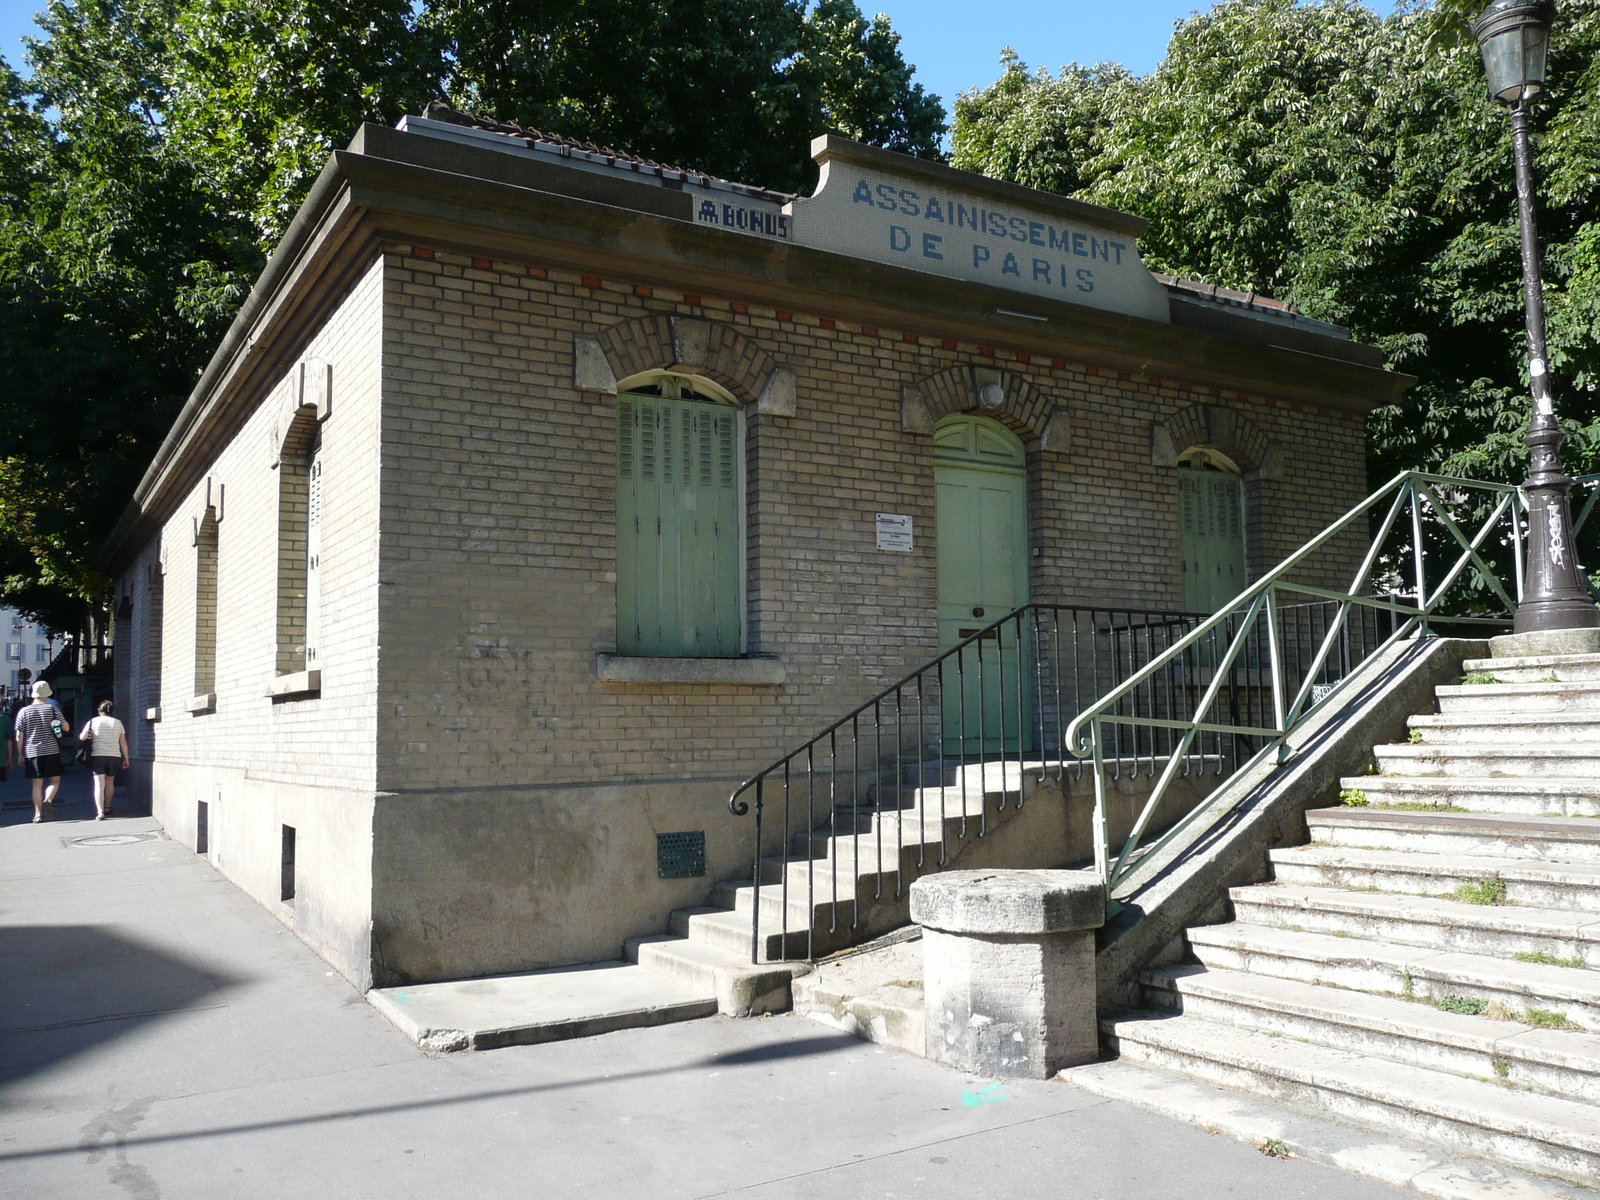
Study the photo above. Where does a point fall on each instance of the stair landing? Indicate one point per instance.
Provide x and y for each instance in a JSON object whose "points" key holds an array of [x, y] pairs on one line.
{"points": [[539, 1006]]}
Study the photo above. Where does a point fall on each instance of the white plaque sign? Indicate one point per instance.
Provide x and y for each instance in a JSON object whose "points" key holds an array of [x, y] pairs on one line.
{"points": [[945, 222], [894, 531]]}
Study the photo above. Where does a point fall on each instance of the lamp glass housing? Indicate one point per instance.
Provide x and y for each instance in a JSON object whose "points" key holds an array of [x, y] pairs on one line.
{"points": [[1514, 36]]}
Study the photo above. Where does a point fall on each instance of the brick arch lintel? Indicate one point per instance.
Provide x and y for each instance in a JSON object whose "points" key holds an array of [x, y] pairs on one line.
{"points": [[1219, 427], [1007, 396], [712, 349]]}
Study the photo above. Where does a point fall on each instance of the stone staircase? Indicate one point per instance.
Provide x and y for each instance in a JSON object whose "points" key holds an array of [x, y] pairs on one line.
{"points": [[1429, 966], [847, 881]]}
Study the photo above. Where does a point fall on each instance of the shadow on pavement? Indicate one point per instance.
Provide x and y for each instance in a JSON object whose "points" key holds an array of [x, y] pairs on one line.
{"points": [[797, 1048], [65, 989]]}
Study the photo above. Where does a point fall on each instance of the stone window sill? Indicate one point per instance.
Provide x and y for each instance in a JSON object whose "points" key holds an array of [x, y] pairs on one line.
{"points": [[153, 714], [742, 672], [203, 704], [297, 686]]}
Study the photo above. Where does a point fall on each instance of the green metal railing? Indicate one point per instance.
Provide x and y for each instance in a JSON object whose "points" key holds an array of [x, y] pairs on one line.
{"points": [[1592, 483], [1293, 687]]}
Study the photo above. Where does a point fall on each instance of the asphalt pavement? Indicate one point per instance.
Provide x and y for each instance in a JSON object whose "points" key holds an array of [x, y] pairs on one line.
{"points": [[163, 1036]]}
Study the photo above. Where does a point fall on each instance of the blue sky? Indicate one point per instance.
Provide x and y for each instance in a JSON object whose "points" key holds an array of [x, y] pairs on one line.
{"points": [[955, 44]]}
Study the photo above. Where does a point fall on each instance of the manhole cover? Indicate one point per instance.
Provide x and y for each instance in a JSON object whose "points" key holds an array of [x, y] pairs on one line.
{"points": [[110, 839]]}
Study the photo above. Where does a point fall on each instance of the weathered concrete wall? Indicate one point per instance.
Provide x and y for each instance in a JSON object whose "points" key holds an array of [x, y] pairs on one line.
{"points": [[481, 881], [331, 909]]}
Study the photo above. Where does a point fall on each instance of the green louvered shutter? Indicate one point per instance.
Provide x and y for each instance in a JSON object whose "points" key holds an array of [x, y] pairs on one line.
{"points": [[678, 509], [1213, 538]]}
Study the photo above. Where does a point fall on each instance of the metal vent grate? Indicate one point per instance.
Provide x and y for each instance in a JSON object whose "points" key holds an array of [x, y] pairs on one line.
{"points": [[681, 855]]}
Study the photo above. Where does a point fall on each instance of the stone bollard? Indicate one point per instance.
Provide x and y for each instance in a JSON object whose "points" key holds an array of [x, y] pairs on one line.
{"points": [[1008, 963]]}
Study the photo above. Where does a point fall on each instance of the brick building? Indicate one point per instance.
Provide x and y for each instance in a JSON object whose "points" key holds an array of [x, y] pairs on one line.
{"points": [[539, 493]]}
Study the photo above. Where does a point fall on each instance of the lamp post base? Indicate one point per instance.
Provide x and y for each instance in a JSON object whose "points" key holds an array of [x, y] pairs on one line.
{"points": [[1538, 645], [1551, 616]]}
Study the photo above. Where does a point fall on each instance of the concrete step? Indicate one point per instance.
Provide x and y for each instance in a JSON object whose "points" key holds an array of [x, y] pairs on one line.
{"points": [[539, 1006], [885, 841], [1478, 729], [1562, 839], [1541, 1133], [1258, 1121], [1497, 930], [729, 930], [1515, 797], [1518, 697], [1568, 887], [873, 992], [816, 883], [1565, 668], [1507, 987], [742, 989], [1552, 1061], [1524, 760]]}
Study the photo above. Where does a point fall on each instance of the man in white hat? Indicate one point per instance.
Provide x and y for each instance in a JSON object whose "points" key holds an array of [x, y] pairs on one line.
{"points": [[40, 728]]}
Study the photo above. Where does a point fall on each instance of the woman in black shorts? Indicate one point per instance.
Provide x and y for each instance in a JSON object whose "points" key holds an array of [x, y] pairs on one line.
{"points": [[108, 754]]}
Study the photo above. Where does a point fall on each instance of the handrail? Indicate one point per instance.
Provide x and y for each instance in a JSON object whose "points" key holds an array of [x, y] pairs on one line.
{"points": [[1087, 734], [991, 706], [1588, 481]]}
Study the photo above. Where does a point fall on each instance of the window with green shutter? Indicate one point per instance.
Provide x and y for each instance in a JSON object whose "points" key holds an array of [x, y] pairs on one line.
{"points": [[680, 502], [1212, 512]]}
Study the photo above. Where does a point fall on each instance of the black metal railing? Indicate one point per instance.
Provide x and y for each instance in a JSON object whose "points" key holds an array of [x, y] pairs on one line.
{"points": [[79, 658]]}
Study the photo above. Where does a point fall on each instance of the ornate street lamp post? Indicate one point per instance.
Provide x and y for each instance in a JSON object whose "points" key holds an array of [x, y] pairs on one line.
{"points": [[1514, 36]]}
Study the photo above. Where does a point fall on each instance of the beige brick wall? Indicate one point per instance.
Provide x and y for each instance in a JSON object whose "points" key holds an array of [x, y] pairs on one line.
{"points": [[499, 544], [321, 741]]}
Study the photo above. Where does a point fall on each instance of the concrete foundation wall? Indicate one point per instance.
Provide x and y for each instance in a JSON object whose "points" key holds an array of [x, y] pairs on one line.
{"points": [[486, 881], [489, 881], [331, 909]]}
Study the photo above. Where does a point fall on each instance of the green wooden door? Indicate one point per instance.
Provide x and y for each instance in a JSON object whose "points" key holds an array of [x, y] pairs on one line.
{"points": [[1213, 537], [679, 550], [981, 504]]}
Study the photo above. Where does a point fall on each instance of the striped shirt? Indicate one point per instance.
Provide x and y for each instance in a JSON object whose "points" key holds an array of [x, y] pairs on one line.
{"points": [[34, 732], [105, 737]]}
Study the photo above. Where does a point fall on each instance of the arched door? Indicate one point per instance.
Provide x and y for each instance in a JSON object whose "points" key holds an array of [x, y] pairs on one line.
{"points": [[981, 500], [1212, 515]]}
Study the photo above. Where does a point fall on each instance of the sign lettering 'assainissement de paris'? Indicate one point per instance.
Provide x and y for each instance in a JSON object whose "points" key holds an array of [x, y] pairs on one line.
{"points": [[892, 209]]}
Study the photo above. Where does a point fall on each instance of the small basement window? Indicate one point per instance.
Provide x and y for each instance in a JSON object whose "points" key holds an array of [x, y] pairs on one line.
{"points": [[286, 878]]}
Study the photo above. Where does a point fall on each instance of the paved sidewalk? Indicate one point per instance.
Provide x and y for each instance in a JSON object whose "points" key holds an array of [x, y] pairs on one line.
{"points": [[161, 1036]]}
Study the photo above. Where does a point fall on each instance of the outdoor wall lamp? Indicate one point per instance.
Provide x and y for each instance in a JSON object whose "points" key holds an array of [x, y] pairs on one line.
{"points": [[1514, 36]]}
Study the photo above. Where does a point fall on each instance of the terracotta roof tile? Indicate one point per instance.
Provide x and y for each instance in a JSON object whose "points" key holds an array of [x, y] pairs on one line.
{"points": [[439, 110]]}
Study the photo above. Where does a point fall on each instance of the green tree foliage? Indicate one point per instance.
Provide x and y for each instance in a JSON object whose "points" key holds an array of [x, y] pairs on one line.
{"points": [[160, 148], [856, 83], [1354, 165], [736, 88]]}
